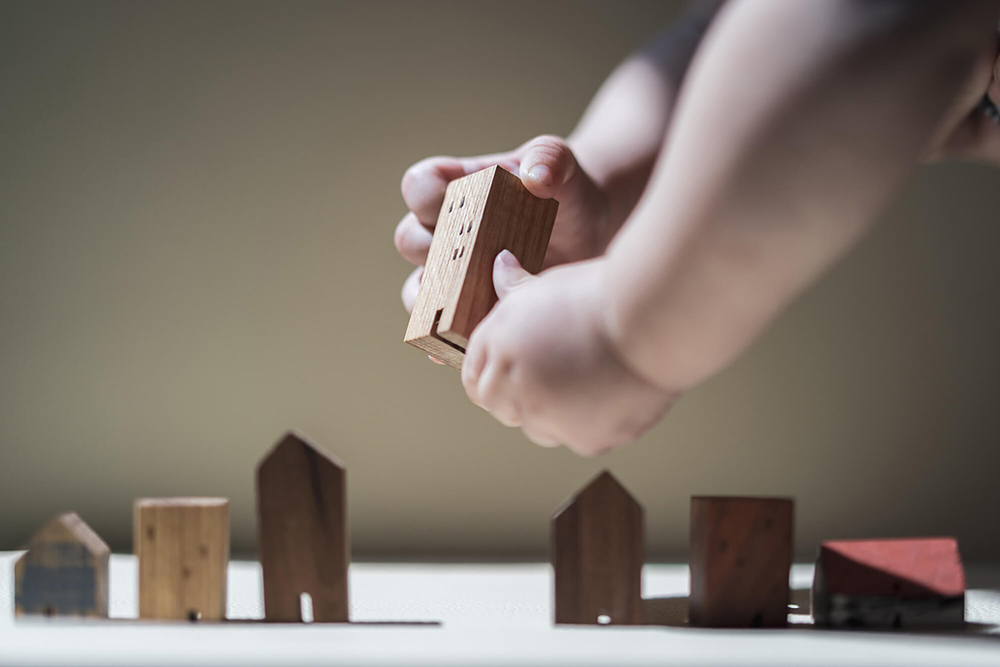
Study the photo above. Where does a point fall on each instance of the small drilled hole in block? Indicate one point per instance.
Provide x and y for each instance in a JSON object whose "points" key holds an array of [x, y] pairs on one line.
{"points": [[470, 227], [306, 608], [454, 255], [194, 615], [462, 203], [603, 619], [461, 252], [451, 207], [461, 229]]}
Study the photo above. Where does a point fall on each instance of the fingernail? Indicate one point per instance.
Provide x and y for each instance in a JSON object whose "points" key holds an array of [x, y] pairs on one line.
{"points": [[541, 174], [506, 258]]}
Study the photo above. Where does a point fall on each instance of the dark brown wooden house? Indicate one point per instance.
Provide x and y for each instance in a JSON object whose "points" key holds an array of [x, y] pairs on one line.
{"points": [[597, 555], [302, 532]]}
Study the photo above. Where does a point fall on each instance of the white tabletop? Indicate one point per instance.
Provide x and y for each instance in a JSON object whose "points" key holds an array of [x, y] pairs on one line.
{"points": [[489, 614]]}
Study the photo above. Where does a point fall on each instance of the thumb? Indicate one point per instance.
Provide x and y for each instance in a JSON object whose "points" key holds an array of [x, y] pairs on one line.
{"points": [[548, 167], [508, 274]]}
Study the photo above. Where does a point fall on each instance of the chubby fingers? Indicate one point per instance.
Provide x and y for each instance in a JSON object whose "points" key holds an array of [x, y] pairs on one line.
{"points": [[423, 186], [507, 276], [488, 386], [410, 288], [412, 239], [548, 167], [493, 394], [486, 382], [486, 372], [539, 438], [472, 367], [424, 183]]}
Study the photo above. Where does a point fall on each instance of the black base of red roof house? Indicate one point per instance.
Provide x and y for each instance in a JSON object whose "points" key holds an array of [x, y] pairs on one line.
{"points": [[901, 583]]}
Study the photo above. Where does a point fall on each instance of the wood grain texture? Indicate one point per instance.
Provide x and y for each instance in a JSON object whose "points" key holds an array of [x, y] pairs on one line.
{"points": [[892, 583], [597, 554], [302, 532], [182, 545], [741, 555], [64, 571], [483, 214]]}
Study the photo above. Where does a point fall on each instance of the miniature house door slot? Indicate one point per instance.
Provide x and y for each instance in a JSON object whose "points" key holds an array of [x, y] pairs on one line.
{"points": [[306, 608], [435, 334]]}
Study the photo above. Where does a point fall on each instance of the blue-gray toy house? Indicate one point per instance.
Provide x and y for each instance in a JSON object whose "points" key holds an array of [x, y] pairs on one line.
{"points": [[64, 571]]}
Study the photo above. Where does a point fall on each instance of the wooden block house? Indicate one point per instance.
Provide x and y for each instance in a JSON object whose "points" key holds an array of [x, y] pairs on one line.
{"points": [[598, 549]]}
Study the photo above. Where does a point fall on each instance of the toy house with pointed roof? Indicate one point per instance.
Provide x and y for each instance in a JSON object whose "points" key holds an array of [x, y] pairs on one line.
{"points": [[64, 571]]}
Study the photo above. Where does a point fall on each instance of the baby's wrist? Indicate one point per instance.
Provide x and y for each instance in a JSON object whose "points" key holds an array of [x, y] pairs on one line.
{"points": [[614, 335]]}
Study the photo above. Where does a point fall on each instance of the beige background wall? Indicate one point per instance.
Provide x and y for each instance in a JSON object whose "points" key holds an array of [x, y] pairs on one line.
{"points": [[196, 210]]}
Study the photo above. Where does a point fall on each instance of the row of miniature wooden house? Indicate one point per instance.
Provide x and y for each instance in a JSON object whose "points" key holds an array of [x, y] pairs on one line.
{"points": [[182, 545], [740, 558]]}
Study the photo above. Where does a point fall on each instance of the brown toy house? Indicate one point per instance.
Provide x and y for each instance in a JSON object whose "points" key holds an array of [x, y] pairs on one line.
{"points": [[597, 556], [302, 532]]}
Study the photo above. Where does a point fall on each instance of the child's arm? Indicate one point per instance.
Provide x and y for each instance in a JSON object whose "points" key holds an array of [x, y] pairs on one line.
{"points": [[797, 123], [620, 135], [770, 178]]}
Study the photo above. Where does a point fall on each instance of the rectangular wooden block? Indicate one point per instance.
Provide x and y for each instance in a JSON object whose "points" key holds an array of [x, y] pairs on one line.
{"points": [[183, 550], [483, 214], [64, 571], [894, 583], [741, 555], [597, 556]]}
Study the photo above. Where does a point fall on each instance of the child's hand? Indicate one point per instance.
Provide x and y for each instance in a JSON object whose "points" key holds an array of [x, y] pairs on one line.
{"points": [[541, 360], [546, 166]]}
